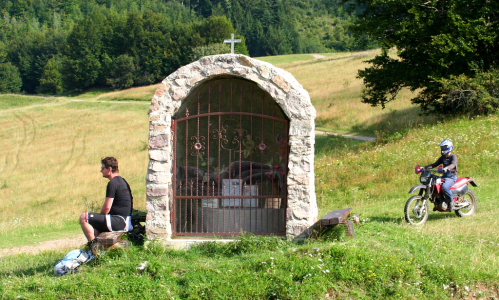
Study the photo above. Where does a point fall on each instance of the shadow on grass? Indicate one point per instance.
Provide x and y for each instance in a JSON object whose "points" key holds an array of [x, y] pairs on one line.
{"points": [[400, 220], [395, 123], [29, 265], [332, 144]]}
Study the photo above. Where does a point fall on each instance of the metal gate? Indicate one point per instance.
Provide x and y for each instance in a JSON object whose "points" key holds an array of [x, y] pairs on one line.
{"points": [[230, 161]]}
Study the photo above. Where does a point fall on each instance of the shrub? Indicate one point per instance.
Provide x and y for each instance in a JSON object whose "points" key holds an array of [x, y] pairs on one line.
{"points": [[477, 95], [211, 49]]}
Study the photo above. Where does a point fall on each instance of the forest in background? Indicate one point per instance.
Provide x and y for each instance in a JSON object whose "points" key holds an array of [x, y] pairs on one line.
{"points": [[65, 46]]}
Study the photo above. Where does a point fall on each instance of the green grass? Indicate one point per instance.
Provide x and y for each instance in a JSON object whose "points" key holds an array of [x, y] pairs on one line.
{"points": [[49, 162], [384, 261], [14, 101], [447, 258]]}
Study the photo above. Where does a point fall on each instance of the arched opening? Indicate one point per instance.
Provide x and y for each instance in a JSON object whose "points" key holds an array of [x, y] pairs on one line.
{"points": [[230, 161]]}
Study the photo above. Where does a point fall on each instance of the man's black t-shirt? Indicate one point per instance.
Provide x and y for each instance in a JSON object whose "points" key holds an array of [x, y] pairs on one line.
{"points": [[119, 189]]}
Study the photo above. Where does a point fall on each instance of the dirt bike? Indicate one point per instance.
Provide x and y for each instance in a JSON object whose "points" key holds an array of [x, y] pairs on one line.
{"points": [[430, 190]]}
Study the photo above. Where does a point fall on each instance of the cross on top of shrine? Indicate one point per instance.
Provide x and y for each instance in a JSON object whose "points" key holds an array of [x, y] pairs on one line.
{"points": [[232, 41]]}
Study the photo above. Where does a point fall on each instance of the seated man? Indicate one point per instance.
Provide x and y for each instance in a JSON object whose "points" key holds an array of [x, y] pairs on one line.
{"points": [[117, 209]]}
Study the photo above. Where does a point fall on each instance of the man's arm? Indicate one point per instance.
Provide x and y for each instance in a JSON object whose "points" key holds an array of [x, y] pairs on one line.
{"points": [[431, 166], [107, 206]]}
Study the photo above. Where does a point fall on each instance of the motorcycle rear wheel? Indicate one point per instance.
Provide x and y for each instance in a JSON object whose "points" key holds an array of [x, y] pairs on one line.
{"points": [[415, 212], [470, 198]]}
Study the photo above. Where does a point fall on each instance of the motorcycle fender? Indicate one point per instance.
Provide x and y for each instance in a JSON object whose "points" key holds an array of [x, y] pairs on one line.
{"points": [[473, 183], [421, 187]]}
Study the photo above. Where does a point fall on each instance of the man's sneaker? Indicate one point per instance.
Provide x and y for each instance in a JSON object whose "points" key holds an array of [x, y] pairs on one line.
{"points": [[92, 247]]}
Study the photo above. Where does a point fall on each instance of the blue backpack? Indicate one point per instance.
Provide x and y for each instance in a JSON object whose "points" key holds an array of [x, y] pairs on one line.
{"points": [[71, 262]]}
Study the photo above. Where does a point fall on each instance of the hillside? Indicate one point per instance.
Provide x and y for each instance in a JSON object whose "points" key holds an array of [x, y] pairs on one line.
{"points": [[51, 47], [49, 175]]}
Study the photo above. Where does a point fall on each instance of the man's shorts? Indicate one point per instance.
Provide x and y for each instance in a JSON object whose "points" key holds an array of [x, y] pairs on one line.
{"points": [[106, 223]]}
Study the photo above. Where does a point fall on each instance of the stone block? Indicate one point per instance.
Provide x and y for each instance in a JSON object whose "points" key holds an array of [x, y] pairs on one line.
{"points": [[245, 61], [157, 192], [159, 155], [195, 80], [180, 81], [154, 105], [240, 71], [162, 89], [179, 94], [264, 71], [159, 177], [157, 166], [159, 141], [281, 83], [302, 213]]}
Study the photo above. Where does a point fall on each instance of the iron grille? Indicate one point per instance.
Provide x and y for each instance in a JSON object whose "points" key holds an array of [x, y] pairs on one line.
{"points": [[230, 160]]}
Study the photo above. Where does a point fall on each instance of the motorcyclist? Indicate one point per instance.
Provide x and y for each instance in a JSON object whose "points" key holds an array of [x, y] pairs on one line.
{"points": [[449, 161]]}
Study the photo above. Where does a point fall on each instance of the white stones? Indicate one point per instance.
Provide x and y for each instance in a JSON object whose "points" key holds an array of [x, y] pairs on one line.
{"points": [[159, 155], [157, 166], [301, 213]]}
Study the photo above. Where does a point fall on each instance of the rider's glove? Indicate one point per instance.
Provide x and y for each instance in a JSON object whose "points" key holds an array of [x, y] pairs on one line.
{"points": [[445, 169]]}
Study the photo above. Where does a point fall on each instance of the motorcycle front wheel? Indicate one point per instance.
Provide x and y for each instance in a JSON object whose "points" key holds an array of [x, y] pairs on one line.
{"points": [[466, 204], [415, 212]]}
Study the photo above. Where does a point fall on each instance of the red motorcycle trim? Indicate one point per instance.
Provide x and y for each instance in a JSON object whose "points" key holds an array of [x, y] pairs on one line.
{"points": [[460, 182]]}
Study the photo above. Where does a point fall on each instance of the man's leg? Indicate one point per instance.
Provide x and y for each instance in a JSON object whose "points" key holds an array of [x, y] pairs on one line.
{"points": [[88, 230], [448, 195], [90, 233]]}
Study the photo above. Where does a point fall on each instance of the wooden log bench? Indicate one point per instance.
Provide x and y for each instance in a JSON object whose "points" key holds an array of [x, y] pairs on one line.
{"points": [[341, 216], [107, 240]]}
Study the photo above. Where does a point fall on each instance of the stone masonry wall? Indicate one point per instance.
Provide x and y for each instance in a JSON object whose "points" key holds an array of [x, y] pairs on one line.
{"points": [[285, 90]]}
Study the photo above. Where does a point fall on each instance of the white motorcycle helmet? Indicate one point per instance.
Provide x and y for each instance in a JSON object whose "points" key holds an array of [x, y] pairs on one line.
{"points": [[446, 146]]}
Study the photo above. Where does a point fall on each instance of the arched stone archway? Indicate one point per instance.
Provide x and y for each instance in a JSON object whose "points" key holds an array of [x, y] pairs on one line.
{"points": [[301, 209]]}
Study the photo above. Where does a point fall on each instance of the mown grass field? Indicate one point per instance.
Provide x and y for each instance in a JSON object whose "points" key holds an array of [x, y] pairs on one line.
{"points": [[49, 166]]}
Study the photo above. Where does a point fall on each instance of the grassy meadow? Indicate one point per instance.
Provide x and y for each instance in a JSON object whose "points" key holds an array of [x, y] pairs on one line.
{"points": [[49, 174], [335, 92], [49, 162]]}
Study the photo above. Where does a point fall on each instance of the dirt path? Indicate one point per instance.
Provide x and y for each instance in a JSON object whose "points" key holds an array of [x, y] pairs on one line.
{"points": [[60, 244], [318, 56], [350, 136]]}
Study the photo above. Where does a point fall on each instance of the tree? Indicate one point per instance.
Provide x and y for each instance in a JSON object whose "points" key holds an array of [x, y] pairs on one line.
{"points": [[122, 72], [81, 64], [51, 81], [436, 40], [10, 79]]}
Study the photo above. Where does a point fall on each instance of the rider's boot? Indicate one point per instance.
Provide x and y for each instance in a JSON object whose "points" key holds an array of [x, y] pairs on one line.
{"points": [[450, 205]]}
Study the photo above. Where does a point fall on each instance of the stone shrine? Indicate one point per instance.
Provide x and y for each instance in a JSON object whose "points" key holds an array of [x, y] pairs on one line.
{"points": [[231, 149]]}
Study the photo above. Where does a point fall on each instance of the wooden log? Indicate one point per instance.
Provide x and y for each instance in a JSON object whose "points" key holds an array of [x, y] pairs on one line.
{"points": [[107, 239], [336, 217]]}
